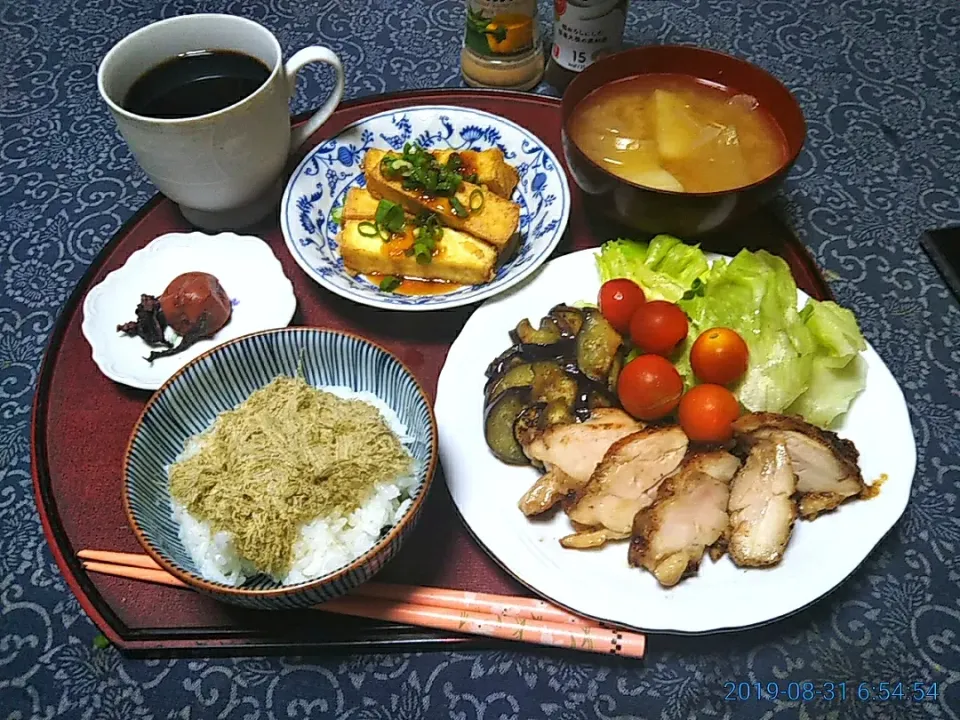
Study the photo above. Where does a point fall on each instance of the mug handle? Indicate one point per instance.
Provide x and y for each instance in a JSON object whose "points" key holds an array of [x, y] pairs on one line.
{"points": [[307, 55]]}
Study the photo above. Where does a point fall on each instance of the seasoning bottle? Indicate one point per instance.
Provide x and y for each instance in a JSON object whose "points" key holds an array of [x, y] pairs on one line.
{"points": [[501, 44], [583, 32]]}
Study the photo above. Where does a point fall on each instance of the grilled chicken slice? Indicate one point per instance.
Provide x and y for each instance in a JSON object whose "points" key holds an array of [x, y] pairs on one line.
{"points": [[688, 515], [587, 539], [826, 465], [570, 453], [626, 479], [762, 508], [549, 489]]}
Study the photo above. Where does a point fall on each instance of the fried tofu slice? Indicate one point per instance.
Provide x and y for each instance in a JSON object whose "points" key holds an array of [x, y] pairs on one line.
{"points": [[626, 480], [496, 222], [826, 465], [762, 508], [492, 170], [459, 258], [359, 205], [688, 515]]}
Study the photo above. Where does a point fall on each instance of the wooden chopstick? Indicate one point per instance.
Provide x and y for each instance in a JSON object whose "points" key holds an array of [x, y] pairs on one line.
{"points": [[588, 638], [158, 577], [393, 605], [506, 605], [120, 558]]}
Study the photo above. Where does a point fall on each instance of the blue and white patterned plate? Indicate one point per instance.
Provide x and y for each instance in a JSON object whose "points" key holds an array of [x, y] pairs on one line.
{"points": [[321, 181]]}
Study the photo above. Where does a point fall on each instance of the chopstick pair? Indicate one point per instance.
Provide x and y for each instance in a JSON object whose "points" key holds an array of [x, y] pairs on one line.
{"points": [[498, 616]]}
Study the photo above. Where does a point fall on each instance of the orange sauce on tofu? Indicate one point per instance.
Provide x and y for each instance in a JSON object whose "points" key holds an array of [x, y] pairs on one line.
{"points": [[417, 286], [468, 164], [398, 244], [436, 204]]}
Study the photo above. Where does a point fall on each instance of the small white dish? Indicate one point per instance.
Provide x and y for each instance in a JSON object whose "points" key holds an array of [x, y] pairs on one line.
{"points": [[599, 583], [261, 295], [320, 184]]}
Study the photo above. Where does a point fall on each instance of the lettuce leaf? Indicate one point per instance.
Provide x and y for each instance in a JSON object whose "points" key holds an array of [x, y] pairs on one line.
{"points": [[801, 361], [755, 294], [665, 267], [832, 390], [838, 373], [836, 331]]}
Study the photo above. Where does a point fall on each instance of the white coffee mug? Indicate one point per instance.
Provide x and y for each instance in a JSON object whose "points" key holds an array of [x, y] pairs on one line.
{"points": [[224, 168]]}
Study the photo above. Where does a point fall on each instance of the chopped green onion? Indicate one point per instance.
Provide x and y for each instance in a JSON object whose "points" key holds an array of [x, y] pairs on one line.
{"points": [[696, 290], [389, 216], [418, 169], [336, 214], [458, 209], [100, 642], [476, 200], [368, 229], [427, 233], [424, 254], [389, 283]]}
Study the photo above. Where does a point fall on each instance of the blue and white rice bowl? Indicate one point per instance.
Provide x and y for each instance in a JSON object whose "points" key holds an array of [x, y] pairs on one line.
{"points": [[321, 181], [333, 554]]}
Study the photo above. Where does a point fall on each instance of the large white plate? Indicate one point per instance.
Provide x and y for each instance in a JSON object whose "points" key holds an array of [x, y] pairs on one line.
{"points": [[599, 583], [261, 294], [320, 184]]}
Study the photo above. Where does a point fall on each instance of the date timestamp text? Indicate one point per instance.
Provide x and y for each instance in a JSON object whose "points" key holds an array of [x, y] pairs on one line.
{"points": [[830, 691]]}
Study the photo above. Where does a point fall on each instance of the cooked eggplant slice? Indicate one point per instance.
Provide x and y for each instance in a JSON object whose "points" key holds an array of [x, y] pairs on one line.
{"points": [[569, 319], [599, 399], [498, 424], [614, 375], [552, 383], [547, 334], [557, 412], [504, 361], [563, 348], [529, 423], [555, 374], [521, 375], [581, 411], [597, 346]]}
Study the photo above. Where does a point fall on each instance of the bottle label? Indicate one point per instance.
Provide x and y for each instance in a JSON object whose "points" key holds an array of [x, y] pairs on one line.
{"points": [[501, 28], [585, 32]]}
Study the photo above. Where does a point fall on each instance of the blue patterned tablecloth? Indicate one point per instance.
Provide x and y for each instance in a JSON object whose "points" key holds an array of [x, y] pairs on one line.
{"points": [[879, 81]]}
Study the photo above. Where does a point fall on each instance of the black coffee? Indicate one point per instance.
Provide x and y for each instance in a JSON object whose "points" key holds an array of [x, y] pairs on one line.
{"points": [[196, 83]]}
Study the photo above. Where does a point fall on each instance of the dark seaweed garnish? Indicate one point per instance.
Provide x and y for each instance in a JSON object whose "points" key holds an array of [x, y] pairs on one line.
{"points": [[201, 332], [150, 323]]}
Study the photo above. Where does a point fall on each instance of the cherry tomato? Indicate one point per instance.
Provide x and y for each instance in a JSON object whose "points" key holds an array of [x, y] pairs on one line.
{"points": [[619, 299], [719, 356], [707, 413], [649, 387], [658, 327]]}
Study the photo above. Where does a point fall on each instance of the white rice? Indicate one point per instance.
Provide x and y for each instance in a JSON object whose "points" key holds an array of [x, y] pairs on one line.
{"points": [[326, 543]]}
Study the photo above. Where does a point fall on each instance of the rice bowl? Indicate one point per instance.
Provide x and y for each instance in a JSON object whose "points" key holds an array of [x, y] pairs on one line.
{"points": [[329, 554], [325, 543]]}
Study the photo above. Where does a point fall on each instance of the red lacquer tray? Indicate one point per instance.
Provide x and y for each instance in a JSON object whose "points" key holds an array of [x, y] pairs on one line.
{"points": [[82, 420]]}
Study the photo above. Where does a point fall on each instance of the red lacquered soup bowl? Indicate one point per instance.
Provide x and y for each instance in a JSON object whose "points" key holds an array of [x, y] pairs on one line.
{"points": [[684, 214]]}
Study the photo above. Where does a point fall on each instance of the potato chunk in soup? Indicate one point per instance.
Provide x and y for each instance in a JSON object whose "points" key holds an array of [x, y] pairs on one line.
{"points": [[674, 132]]}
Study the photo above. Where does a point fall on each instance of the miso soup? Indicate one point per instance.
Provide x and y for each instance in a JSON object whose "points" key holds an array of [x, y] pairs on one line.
{"points": [[676, 132]]}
